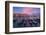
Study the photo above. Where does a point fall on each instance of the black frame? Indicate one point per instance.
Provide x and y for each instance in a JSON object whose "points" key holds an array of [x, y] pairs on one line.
{"points": [[7, 16]]}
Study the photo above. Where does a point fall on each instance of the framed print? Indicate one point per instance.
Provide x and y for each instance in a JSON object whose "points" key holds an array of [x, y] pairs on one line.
{"points": [[24, 17]]}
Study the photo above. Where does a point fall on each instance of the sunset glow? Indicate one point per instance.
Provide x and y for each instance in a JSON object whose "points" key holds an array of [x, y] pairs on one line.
{"points": [[27, 10]]}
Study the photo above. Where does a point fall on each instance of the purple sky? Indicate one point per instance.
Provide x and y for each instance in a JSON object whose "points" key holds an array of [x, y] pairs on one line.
{"points": [[27, 10]]}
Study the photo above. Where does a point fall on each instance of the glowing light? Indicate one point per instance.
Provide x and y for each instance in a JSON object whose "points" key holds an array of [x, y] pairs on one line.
{"points": [[27, 10]]}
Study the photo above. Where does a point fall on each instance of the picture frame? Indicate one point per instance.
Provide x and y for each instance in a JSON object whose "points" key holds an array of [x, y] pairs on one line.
{"points": [[17, 6]]}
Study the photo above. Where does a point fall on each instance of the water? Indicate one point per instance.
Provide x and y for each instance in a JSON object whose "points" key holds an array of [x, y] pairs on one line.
{"points": [[25, 22]]}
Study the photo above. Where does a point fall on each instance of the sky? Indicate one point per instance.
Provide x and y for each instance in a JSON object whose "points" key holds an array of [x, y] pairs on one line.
{"points": [[26, 10]]}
